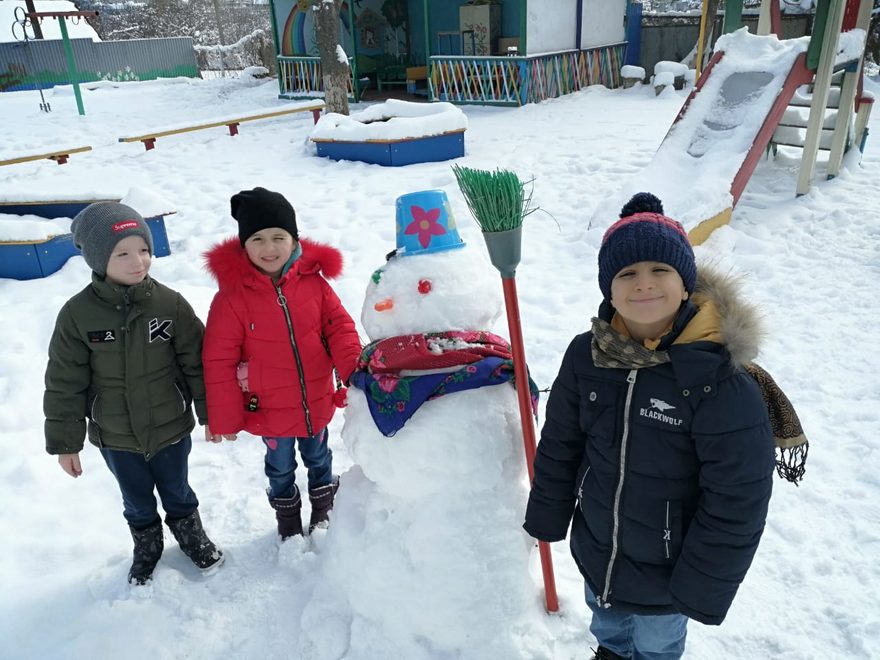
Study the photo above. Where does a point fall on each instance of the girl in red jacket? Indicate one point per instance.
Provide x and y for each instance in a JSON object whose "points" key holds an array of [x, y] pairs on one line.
{"points": [[275, 332]]}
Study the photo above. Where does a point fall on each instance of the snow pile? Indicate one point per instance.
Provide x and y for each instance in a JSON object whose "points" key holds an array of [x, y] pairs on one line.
{"points": [[30, 228], [392, 120], [147, 202], [632, 71], [674, 68]]}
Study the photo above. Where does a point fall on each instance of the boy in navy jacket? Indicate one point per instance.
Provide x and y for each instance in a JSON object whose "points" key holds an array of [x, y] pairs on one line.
{"points": [[657, 446]]}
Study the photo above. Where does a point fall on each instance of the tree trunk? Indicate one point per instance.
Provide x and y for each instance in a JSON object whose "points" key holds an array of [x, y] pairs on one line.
{"points": [[711, 16], [711, 19], [873, 45], [334, 73]]}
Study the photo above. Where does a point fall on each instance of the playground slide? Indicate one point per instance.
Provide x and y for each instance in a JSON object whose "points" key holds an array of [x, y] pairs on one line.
{"points": [[721, 132]]}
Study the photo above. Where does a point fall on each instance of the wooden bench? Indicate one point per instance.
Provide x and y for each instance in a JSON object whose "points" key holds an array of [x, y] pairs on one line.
{"points": [[149, 139], [59, 156]]}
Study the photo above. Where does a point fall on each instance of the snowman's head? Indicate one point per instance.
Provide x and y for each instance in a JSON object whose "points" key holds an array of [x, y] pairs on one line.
{"points": [[448, 290]]}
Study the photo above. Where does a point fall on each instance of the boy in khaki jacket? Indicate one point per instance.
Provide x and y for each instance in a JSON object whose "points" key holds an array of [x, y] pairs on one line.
{"points": [[125, 362]]}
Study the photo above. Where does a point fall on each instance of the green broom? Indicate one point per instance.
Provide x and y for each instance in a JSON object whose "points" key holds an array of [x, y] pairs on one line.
{"points": [[499, 203]]}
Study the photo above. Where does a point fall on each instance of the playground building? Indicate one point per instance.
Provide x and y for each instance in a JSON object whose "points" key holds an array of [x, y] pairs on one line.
{"points": [[505, 52]]}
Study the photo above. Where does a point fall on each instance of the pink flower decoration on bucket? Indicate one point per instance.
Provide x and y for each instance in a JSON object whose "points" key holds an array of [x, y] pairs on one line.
{"points": [[425, 224]]}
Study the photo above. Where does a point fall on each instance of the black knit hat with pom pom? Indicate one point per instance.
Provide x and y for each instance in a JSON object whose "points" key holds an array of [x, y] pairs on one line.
{"points": [[643, 233]]}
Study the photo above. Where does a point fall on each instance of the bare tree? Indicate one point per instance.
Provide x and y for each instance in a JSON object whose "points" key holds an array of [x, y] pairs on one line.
{"points": [[334, 67], [709, 31], [873, 45]]}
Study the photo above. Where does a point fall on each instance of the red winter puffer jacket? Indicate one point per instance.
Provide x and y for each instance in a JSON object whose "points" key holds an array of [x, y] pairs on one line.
{"points": [[291, 374]]}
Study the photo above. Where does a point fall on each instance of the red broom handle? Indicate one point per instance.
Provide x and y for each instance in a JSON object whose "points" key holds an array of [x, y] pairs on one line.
{"points": [[525, 412]]}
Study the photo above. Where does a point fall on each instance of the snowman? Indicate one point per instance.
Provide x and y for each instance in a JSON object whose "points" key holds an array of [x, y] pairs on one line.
{"points": [[428, 538]]}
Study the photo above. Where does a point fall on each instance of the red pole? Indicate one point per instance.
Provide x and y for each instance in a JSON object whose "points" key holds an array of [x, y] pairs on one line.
{"points": [[525, 412]]}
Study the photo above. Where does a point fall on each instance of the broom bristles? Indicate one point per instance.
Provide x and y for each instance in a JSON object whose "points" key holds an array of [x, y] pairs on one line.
{"points": [[497, 200]]}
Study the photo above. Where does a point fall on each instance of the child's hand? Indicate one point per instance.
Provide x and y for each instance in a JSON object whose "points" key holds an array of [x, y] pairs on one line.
{"points": [[70, 464], [241, 375], [220, 437]]}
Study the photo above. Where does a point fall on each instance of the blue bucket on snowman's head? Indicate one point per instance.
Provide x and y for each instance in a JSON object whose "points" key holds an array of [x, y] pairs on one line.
{"points": [[425, 224]]}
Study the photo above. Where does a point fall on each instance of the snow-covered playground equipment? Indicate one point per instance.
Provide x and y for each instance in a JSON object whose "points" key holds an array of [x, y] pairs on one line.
{"points": [[393, 133], [35, 238], [758, 93]]}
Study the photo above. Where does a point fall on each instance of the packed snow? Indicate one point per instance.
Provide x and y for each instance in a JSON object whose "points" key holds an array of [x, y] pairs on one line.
{"points": [[362, 590], [391, 120]]}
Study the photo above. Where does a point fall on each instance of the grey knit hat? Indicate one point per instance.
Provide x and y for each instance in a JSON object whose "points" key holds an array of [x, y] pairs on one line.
{"points": [[100, 226]]}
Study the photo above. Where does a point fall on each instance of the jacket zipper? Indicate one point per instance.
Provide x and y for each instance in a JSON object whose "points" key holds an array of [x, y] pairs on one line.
{"points": [[667, 533], [182, 398], [615, 541], [299, 368], [94, 403]]}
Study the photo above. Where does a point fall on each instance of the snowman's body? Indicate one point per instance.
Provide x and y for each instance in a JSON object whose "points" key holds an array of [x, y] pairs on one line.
{"points": [[427, 528]]}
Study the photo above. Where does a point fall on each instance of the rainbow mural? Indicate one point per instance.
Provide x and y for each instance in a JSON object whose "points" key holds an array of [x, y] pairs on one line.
{"points": [[293, 37]]}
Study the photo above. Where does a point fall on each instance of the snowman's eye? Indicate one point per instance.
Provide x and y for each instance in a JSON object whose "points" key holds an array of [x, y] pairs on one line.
{"points": [[377, 275], [424, 287]]}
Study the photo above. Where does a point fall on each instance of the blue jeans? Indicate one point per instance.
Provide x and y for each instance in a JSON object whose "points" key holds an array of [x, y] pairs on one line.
{"points": [[638, 636], [167, 472], [281, 463]]}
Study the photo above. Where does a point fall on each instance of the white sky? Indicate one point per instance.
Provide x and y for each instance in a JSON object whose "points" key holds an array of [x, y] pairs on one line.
{"points": [[77, 28], [389, 580]]}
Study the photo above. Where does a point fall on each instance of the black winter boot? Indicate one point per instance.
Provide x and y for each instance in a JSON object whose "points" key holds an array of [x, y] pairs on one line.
{"points": [[148, 546], [194, 542], [604, 654], [322, 502], [287, 513]]}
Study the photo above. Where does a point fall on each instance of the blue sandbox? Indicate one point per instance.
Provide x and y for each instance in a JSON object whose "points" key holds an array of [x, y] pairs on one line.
{"points": [[28, 260], [397, 152]]}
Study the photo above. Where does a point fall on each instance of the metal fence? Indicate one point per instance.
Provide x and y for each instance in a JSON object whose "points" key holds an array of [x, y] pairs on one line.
{"points": [[41, 64]]}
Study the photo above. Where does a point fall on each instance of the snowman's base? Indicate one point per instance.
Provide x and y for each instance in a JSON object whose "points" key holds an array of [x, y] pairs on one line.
{"points": [[396, 153], [29, 260]]}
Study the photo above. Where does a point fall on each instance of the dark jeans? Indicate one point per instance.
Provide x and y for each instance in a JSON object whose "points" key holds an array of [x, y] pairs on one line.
{"points": [[281, 463], [167, 473]]}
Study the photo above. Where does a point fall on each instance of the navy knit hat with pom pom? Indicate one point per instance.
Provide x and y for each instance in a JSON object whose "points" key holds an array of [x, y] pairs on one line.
{"points": [[643, 233]]}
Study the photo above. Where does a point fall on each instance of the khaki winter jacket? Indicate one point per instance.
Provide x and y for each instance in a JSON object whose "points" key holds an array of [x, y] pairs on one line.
{"points": [[128, 359]]}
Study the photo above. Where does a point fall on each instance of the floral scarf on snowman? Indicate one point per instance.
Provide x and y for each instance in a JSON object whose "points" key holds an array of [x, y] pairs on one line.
{"points": [[399, 374]]}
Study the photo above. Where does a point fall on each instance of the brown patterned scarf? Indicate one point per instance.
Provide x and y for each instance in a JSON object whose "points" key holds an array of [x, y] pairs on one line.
{"points": [[611, 350]]}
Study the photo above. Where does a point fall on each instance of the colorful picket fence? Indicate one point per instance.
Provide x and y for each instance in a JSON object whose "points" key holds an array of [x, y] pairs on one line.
{"points": [[521, 80], [464, 79], [300, 77]]}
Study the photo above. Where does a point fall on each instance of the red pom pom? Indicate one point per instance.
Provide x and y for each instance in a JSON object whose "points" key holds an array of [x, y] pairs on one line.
{"points": [[340, 397]]}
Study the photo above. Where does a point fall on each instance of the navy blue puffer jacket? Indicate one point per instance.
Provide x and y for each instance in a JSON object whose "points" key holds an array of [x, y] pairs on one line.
{"points": [[663, 472]]}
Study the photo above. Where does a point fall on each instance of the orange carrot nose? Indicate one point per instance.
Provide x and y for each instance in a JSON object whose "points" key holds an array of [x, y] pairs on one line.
{"points": [[384, 305]]}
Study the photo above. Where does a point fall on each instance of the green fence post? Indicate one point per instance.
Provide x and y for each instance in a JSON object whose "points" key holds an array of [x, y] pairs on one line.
{"points": [[277, 39], [733, 12]]}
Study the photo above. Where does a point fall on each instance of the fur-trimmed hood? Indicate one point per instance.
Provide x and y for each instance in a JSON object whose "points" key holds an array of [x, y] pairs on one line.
{"points": [[228, 262], [739, 324]]}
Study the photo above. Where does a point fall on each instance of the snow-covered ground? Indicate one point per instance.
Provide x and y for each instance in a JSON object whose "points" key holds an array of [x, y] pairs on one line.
{"points": [[65, 549]]}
